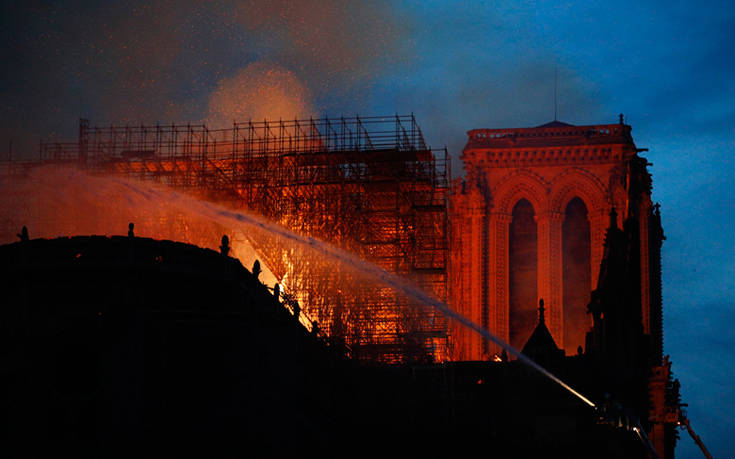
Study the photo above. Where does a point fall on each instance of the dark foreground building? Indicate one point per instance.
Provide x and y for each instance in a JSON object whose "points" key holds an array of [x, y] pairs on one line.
{"points": [[127, 346], [132, 346]]}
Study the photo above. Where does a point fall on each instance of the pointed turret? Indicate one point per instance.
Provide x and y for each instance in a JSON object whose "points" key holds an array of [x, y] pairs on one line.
{"points": [[541, 346]]}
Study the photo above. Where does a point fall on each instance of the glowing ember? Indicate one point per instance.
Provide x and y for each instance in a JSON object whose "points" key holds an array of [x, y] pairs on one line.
{"points": [[259, 91]]}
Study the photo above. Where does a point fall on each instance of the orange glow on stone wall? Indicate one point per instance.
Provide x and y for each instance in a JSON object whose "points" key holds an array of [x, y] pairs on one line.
{"points": [[549, 167]]}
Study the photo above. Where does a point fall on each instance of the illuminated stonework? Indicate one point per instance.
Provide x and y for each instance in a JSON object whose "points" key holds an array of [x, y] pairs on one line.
{"points": [[571, 176]]}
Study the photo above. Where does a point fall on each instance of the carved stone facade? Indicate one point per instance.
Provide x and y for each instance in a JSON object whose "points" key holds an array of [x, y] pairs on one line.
{"points": [[548, 167]]}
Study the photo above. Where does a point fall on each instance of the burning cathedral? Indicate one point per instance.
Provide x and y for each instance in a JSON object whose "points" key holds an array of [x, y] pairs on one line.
{"points": [[550, 242]]}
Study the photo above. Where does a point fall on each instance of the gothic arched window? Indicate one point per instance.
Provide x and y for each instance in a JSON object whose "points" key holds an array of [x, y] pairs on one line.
{"points": [[576, 274], [523, 273]]}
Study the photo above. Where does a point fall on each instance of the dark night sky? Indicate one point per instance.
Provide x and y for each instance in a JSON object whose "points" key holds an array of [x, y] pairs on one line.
{"points": [[669, 66]]}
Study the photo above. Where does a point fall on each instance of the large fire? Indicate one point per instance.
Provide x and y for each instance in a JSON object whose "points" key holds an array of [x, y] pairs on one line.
{"points": [[57, 202]]}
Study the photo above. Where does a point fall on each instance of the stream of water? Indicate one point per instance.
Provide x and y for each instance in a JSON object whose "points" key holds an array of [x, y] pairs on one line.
{"points": [[65, 189]]}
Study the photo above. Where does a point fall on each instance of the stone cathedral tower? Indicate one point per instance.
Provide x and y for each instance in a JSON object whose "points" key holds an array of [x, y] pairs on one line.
{"points": [[529, 222]]}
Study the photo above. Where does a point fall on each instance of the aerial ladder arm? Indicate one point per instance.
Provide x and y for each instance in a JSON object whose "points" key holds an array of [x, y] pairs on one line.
{"points": [[684, 421]]}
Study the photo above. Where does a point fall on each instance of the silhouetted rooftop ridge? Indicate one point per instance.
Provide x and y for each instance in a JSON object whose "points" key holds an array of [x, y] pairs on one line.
{"points": [[555, 123]]}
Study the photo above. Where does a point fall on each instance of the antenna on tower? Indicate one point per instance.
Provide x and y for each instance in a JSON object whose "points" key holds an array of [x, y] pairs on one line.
{"points": [[555, 110]]}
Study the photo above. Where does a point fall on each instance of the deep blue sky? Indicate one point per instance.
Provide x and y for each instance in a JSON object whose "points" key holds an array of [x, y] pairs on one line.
{"points": [[670, 67]]}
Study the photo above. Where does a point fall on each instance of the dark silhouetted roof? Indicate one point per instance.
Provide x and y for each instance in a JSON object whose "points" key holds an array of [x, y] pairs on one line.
{"points": [[540, 345], [540, 340], [555, 123]]}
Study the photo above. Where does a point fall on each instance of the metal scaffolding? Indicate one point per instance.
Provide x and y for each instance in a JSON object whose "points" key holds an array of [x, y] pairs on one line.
{"points": [[368, 185]]}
